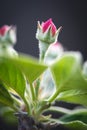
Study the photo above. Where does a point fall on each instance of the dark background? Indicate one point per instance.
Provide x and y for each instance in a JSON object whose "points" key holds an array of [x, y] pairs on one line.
{"points": [[70, 14]]}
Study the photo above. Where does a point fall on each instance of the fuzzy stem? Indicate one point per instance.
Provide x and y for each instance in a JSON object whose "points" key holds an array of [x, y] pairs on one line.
{"points": [[43, 48]]}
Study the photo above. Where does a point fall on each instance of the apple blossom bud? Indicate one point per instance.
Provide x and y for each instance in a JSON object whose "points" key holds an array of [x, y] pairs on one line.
{"points": [[49, 24], [47, 32], [7, 35], [54, 51], [7, 39], [4, 29]]}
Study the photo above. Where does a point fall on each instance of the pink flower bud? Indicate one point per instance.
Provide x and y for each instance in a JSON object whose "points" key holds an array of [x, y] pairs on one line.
{"points": [[47, 25], [55, 47], [4, 29], [54, 51], [47, 32], [8, 34]]}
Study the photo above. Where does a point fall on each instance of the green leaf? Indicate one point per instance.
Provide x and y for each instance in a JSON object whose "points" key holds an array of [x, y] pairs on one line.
{"points": [[58, 110], [67, 73], [5, 97], [29, 66], [73, 96], [77, 114], [47, 87], [76, 119], [7, 114], [12, 76], [75, 125], [72, 125]]}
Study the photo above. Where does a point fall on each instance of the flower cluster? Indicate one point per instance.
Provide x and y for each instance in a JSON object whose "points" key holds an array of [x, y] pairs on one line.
{"points": [[30, 87]]}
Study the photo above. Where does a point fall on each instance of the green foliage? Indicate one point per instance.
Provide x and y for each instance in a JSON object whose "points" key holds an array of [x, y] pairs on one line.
{"points": [[71, 84], [73, 96], [75, 119], [77, 114], [8, 114], [46, 85], [5, 97], [29, 86], [15, 72], [12, 76], [29, 66], [74, 125]]}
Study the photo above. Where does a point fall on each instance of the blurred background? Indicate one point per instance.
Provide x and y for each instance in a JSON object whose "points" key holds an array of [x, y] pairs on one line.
{"points": [[70, 14]]}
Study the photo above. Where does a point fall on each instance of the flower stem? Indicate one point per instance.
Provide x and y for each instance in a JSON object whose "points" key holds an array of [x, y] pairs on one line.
{"points": [[43, 48]]}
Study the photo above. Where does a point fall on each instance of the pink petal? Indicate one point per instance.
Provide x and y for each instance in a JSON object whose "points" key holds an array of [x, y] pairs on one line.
{"points": [[42, 24], [55, 45], [46, 25], [53, 27], [4, 29]]}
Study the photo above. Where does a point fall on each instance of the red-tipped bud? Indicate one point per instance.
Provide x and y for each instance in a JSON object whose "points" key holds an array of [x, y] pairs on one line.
{"points": [[47, 32], [49, 24], [7, 34], [4, 29]]}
